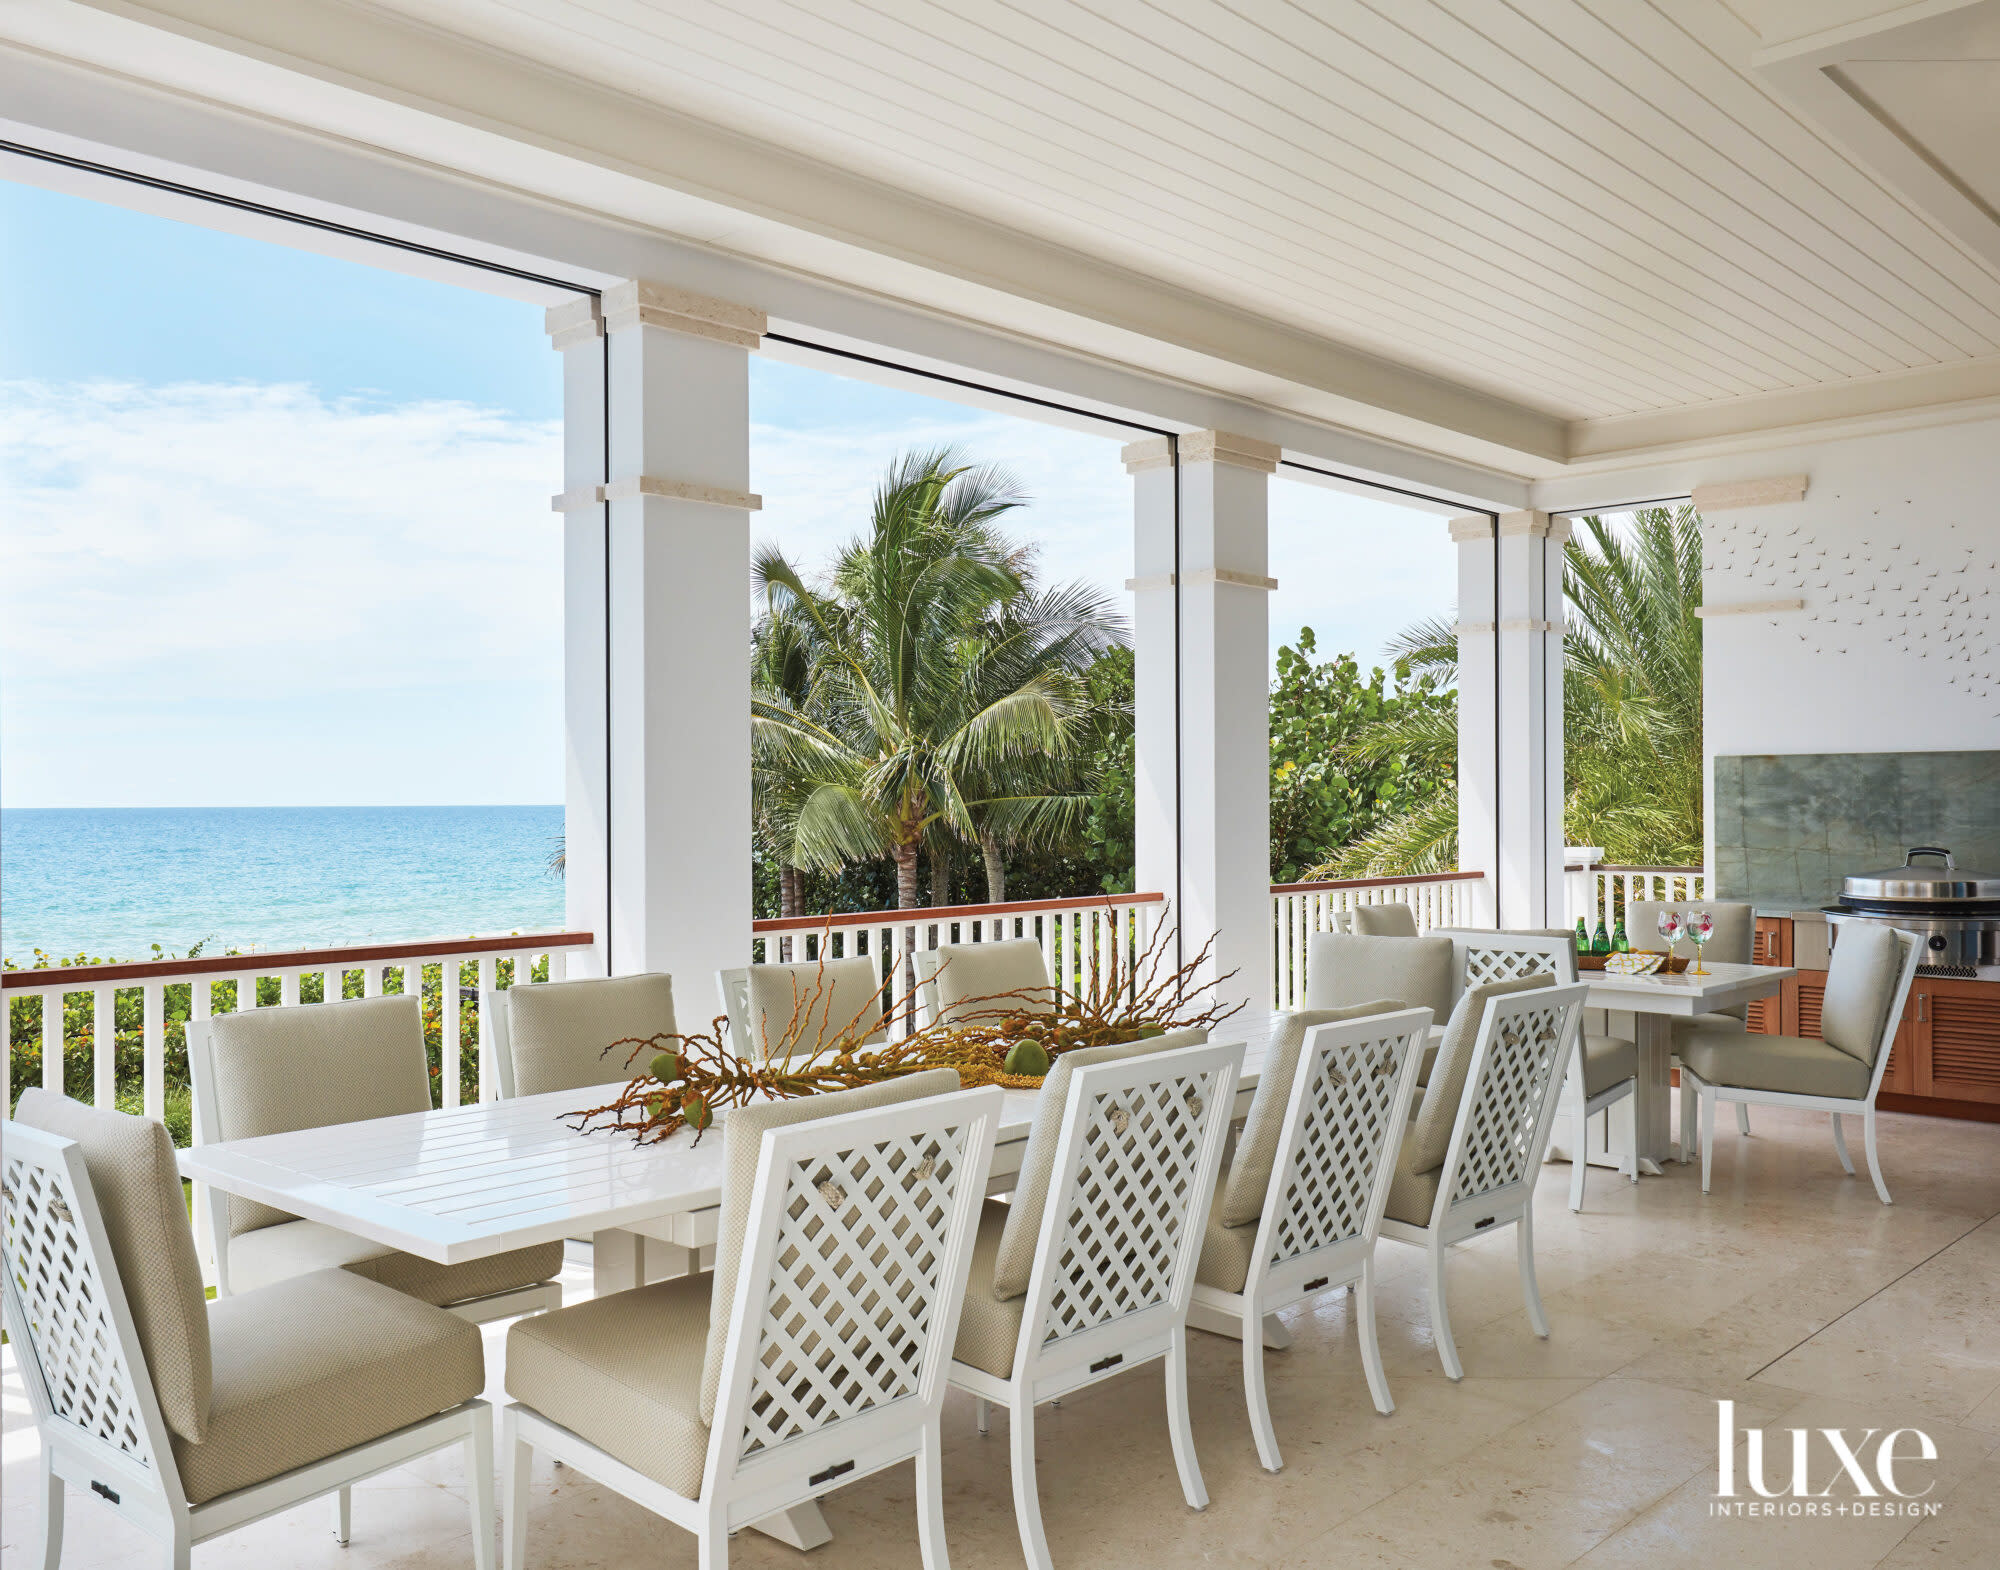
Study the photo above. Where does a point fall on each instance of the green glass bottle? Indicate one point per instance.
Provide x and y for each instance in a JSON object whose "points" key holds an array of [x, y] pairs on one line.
{"points": [[1600, 943], [1620, 944], [1582, 937]]}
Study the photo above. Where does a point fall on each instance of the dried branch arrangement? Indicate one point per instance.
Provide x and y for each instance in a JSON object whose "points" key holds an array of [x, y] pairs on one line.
{"points": [[1006, 1039]]}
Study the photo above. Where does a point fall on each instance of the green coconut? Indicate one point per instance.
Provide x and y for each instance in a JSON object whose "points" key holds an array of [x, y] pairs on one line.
{"points": [[697, 1113], [1148, 1032], [665, 1067], [1027, 1058]]}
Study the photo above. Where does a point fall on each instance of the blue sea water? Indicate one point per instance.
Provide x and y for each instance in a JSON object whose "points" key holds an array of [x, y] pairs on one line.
{"points": [[113, 881]]}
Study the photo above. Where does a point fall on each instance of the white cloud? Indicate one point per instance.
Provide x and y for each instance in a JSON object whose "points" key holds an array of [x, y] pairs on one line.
{"points": [[221, 594]]}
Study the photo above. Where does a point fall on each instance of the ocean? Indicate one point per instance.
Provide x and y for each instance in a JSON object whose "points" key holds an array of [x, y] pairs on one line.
{"points": [[111, 882]]}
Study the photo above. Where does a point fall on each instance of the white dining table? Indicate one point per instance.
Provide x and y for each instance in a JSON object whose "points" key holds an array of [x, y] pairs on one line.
{"points": [[1655, 1002], [462, 1183]]}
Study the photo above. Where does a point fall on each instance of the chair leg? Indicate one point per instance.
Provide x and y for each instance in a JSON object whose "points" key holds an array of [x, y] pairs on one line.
{"points": [[1874, 1161], [1840, 1146], [343, 1513], [1578, 1159], [1743, 1119], [1179, 1425], [520, 1458], [1027, 1501], [1440, 1316], [1707, 1135], [479, 1480], [1371, 1347], [1688, 1126], [930, 1499], [1531, 1291], [712, 1542], [983, 1410], [52, 1511], [1254, 1395]]}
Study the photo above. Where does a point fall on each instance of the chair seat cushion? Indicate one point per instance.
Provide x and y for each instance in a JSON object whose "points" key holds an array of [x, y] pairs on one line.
{"points": [[989, 1327], [624, 1373], [1412, 1194], [1225, 1255], [315, 1365], [1790, 1064], [1698, 1022], [293, 1248], [1606, 1061]]}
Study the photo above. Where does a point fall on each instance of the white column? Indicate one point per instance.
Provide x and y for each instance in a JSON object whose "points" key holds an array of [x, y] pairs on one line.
{"points": [[1217, 700], [677, 632], [1510, 705], [576, 330]]}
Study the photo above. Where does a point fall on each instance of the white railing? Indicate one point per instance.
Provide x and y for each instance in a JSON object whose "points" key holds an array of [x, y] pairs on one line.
{"points": [[1079, 937], [1597, 892], [1298, 910], [205, 987]]}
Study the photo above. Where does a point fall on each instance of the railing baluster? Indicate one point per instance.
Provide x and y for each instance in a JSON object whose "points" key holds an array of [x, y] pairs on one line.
{"points": [[104, 1047], [489, 981], [153, 1073], [450, 978], [52, 1040], [288, 988]]}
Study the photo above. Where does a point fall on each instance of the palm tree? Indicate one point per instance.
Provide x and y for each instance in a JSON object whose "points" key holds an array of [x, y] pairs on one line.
{"points": [[1632, 701], [932, 696]]}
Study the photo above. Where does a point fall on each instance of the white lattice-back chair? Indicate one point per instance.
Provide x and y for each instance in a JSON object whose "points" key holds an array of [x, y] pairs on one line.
{"points": [[1319, 1189], [1123, 1190], [1524, 1044], [99, 1416], [1604, 1070], [833, 1351], [825, 997]]}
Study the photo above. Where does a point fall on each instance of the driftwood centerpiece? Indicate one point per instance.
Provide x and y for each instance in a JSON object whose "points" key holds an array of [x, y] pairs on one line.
{"points": [[686, 1078]]}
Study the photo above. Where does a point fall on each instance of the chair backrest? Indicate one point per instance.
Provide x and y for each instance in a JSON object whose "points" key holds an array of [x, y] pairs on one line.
{"points": [[76, 1342], [1480, 957], [732, 988], [557, 1031], [1344, 968], [1525, 1045], [277, 1070], [841, 1321], [1122, 1231], [1391, 919], [958, 972], [825, 996], [1347, 1105], [1867, 984]]}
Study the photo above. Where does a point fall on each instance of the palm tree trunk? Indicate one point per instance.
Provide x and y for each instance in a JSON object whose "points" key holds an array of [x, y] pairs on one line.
{"points": [[906, 876], [791, 905], [996, 870], [940, 875]]}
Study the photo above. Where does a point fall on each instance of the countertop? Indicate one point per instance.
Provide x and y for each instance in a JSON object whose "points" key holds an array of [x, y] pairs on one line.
{"points": [[1794, 907]]}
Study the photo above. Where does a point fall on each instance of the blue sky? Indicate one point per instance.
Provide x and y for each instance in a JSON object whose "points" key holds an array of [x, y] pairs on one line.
{"points": [[276, 525]]}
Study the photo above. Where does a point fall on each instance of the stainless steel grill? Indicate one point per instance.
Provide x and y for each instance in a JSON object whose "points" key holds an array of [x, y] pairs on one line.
{"points": [[1957, 913]]}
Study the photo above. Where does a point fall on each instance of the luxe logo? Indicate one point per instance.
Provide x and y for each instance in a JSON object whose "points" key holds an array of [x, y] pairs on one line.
{"points": [[1867, 1486]]}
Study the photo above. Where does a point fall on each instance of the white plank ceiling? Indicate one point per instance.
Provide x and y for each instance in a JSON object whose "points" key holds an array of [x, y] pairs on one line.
{"points": [[1593, 208]]}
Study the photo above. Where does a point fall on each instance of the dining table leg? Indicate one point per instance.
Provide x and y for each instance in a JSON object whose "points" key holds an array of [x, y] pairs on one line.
{"points": [[1651, 1121]]}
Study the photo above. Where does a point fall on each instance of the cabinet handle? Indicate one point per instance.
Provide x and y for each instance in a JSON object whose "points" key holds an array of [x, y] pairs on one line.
{"points": [[1923, 1001]]}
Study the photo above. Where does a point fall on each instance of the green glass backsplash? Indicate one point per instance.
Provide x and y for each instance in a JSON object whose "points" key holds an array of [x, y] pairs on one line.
{"points": [[1798, 824]]}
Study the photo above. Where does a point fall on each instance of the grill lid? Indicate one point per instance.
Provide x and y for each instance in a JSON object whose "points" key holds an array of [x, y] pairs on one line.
{"points": [[1910, 884]]}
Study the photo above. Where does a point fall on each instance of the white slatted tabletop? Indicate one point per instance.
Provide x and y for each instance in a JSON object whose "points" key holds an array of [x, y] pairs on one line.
{"points": [[464, 1182]]}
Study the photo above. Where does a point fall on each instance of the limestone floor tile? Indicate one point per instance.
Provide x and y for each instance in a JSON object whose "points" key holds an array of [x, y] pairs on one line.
{"points": [[1963, 1535]]}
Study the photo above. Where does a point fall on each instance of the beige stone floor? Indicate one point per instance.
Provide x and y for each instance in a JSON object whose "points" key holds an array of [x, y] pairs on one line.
{"points": [[1789, 1289]]}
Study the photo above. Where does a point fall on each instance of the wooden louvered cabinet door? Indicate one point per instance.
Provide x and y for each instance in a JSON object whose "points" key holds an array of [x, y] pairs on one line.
{"points": [[1957, 1036], [1771, 944]]}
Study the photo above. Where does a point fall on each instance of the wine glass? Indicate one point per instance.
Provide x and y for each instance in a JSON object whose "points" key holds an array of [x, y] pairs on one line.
{"points": [[1699, 925], [1670, 929]]}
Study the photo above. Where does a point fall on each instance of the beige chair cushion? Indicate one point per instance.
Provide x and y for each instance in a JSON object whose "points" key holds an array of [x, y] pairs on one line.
{"points": [[623, 1372], [1343, 969], [1687, 1025], [138, 1189], [316, 1365], [1428, 1140], [1861, 981], [1731, 940], [1249, 1179], [989, 1326], [559, 1030], [742, 1142], [1384, 921], [1226, 1253], [833, 995], [985, 970], [1607, 1061], [282, 1069], [1016, 1262], [294, 1248], [1412, 1194], [1792, 1064]]}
